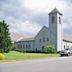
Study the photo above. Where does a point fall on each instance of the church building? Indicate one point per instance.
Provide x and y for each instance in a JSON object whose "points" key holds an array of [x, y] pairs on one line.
{"points": [[52, 35]]}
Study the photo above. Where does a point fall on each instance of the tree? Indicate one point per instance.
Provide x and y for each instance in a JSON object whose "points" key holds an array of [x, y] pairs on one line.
{"points": [[5, 40], [50, 49]]}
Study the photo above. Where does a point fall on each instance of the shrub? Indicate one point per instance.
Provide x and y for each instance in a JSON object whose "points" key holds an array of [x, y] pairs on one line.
{"points": [[50, 49], [2, 56], [7, 51]]}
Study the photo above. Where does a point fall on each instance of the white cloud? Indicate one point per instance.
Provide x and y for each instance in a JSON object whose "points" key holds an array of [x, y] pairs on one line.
{"points": [[25, 28], [44, 5], [29, 27], [18, 14], [1, 14]]}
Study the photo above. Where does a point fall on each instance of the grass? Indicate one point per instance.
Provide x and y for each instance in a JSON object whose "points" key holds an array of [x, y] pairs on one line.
{"points": [[13, 55]]}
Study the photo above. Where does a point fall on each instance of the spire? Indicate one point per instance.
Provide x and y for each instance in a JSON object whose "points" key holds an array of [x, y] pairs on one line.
{"points": [[55, 11]]}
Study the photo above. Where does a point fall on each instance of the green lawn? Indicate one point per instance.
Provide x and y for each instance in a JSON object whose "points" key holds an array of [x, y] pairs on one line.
{"points": [[13, 55]]}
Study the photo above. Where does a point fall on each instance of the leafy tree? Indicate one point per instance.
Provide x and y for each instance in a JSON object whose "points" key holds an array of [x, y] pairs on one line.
{"points": [[5, 40], [50, 49]]}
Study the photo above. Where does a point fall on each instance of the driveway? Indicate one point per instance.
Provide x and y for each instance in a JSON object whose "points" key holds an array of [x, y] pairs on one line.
{"points": [[61, 64]]}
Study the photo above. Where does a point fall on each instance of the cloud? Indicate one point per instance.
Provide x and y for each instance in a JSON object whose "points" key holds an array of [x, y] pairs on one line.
{"points": [[41, 19], [26, 27], [44, 5], [28, 16]]}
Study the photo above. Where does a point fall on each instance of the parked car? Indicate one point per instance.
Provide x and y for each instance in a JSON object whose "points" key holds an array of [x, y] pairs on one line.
{"points": [[66, 52]]}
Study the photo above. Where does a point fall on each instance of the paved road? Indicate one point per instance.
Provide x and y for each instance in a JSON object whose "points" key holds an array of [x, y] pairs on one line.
{"points": [[62, 64]]}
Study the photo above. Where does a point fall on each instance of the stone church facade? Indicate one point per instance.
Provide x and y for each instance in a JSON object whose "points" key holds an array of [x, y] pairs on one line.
{"points": [[52, 35]]}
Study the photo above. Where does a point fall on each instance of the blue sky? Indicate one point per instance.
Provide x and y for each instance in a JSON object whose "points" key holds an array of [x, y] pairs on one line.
{"points": [[29, 16]]}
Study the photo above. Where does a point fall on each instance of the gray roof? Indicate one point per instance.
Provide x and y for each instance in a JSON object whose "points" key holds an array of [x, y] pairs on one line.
{"points": [[15, 36], [18, 37], [67, 37], [55, 10], [27, 39]]}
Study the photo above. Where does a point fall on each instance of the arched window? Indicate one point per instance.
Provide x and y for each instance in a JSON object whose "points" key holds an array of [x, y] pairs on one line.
{"points": [[18, 46], [26, 45], [59, 20], [64, 46], [47, 39], [53, 19], [40, 40], [23, 46], [43, 39], [43, 48], [29, 45]]}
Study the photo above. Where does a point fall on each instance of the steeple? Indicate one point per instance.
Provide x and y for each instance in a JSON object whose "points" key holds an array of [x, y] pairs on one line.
{"points": [[55, 10], [55, 28]]}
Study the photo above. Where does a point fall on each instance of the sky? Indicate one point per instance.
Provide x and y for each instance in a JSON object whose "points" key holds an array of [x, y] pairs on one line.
{"points": [[27, 17]]}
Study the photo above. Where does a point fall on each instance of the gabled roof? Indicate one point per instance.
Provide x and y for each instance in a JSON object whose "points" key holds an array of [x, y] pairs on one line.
{"points": [[44, 27], [27, 39], [55, 10], [67, 37], [15, 36], [31, 38]]}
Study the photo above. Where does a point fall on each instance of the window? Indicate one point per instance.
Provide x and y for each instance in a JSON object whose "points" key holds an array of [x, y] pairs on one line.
{"points": [[43, 39], [29, 46], [53, 19], [26, 45], [67, 49], [64, 46], [43, 48], [47, 39], [23, 46], [40, 39], [18, 46], [59, 20]]}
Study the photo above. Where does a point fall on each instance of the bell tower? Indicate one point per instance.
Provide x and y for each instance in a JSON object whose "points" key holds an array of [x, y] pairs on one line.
{"points": [[55, 27]]}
